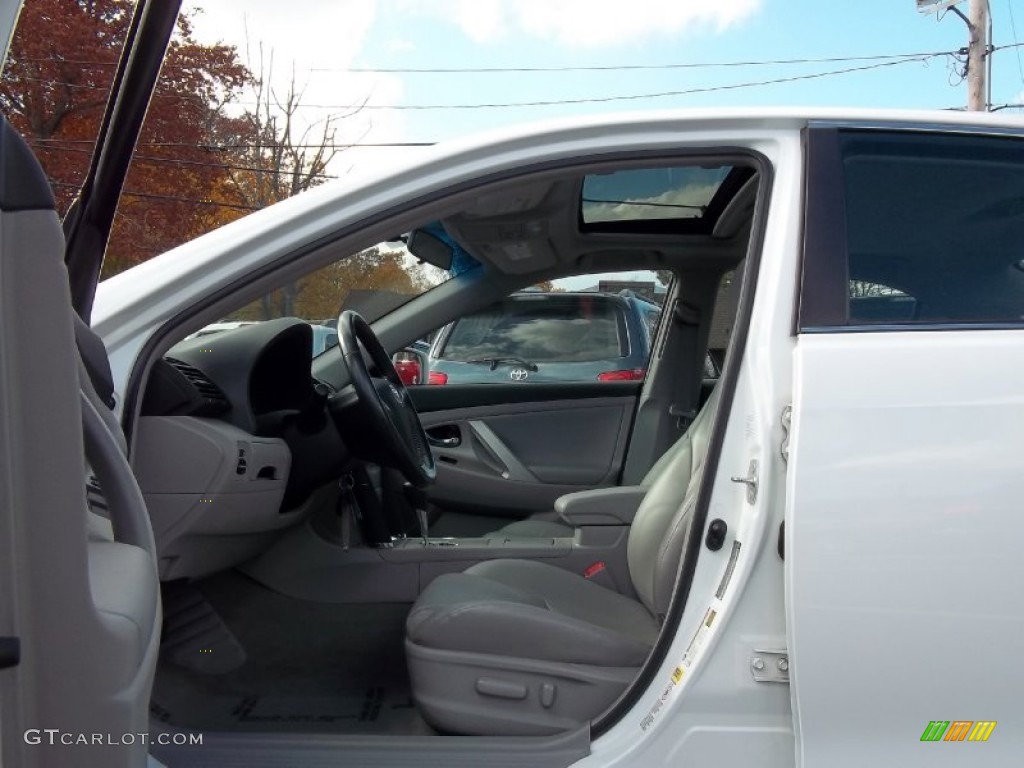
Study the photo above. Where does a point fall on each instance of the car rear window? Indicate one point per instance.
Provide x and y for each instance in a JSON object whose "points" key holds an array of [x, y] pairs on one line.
{"points": [[542, 328]]}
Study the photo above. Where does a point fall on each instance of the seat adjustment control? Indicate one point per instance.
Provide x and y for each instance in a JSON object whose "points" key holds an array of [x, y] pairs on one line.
{"points": [[500, 689]]}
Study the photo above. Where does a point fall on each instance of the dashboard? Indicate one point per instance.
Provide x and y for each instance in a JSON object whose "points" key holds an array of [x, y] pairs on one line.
{"points": [[234, 441]]}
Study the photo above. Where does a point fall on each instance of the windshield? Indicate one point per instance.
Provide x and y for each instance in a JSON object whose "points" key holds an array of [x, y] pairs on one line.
{"points": [[541, 328]]}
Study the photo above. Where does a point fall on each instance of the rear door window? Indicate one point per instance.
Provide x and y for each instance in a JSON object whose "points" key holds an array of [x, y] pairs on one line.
{"points": [[916, 230]]}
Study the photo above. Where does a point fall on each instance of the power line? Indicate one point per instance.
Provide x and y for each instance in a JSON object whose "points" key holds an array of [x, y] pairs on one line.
{"points": [[637, 96], [242, 145], [195, 163], [623, 67], [527, 69], [169, 198], [1013, 29], [924, 57]]}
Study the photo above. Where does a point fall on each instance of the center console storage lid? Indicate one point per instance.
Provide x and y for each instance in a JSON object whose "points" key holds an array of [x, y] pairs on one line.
{"points": [[601, 506]]}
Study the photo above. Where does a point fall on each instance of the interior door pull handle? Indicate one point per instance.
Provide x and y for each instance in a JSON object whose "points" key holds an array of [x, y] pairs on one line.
{"points": [[444, 442]]}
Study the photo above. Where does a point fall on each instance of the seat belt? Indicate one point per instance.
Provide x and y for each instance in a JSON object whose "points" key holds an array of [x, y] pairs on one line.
{"points": [[94, 358], [687, 389]]}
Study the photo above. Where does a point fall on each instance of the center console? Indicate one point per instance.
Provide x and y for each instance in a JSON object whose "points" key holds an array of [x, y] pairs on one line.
{"points": [[308, 564]]}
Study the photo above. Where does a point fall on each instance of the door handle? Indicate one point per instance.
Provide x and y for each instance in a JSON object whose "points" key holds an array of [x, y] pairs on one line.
{"points": [[445, 436], [444, 442]]}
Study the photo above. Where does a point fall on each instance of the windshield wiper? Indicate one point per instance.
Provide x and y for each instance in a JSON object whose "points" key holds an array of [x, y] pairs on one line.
{"points": [[494, 362]]}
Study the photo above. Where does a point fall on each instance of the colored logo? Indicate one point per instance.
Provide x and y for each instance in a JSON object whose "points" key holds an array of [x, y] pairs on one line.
{"points": [[958, 730]]}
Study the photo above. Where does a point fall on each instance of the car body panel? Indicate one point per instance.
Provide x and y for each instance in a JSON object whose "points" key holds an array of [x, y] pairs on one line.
{"points": [[905, 536]]}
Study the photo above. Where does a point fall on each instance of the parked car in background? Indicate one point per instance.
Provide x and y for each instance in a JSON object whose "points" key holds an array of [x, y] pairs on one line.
{"points": [[324, 338], [411, 362], [556, 336]]}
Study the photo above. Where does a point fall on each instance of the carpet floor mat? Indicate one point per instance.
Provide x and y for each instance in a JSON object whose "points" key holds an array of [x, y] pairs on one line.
{"points": [[370, 711], [305, 667]]}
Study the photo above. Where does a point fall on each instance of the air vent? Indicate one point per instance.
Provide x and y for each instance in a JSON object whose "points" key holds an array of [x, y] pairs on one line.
{"points": [[215, 400]]}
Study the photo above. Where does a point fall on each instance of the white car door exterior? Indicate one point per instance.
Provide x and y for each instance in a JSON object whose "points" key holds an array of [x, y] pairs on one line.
{"points": [[904, 522]]}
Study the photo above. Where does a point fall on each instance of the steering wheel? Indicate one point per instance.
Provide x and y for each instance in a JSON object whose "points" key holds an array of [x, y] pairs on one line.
{"points": [[386, 401]]}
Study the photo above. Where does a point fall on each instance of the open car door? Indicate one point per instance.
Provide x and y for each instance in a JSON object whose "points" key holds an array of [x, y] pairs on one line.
{"points": [[79, 601]]}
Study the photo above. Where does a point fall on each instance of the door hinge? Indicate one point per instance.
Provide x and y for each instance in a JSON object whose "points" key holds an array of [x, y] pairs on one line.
{"points": [[787, 417], [770, 666], [750, 481]]}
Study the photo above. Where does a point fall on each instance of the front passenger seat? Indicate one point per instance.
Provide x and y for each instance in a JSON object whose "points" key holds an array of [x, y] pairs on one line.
{"points": [[521, 647]]}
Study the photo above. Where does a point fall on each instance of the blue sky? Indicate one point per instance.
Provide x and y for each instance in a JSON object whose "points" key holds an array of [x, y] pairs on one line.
{"points": [[325, 39]]}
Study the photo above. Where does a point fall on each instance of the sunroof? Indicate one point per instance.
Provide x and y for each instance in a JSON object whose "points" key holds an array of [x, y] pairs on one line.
{"points": [[661, 195]]}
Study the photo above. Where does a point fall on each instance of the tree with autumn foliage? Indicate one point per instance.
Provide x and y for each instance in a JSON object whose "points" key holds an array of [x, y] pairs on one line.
{"points": [[201, 160], [372, 282], [178, 176]]}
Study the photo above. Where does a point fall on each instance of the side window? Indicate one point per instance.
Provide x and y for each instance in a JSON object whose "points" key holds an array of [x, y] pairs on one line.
{"points": [[582, 329], [873, 302], [934, 228]]}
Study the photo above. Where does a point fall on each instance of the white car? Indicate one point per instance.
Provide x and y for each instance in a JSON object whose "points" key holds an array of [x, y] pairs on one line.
{"points": [[812, 564]]}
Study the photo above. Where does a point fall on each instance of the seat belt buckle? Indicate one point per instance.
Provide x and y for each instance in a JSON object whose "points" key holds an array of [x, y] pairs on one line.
{"points": [[598, 573]]}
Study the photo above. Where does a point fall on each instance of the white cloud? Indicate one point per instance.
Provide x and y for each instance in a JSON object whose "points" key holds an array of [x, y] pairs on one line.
{"points": [[588, 23], [400, 45], [317, 41], [482, 20], [308, 34], [373, 126]]}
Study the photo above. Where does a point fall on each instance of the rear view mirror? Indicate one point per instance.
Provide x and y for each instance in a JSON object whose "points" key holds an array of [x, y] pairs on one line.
{"points": [[430, 248]]}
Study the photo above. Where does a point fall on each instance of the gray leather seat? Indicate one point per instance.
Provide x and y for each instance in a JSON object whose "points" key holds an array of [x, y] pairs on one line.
{"points": [[544, 526], [520, 647]]}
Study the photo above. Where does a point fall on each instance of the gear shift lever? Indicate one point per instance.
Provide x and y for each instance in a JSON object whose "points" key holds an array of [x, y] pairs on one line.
{"points": [[417, 498]]}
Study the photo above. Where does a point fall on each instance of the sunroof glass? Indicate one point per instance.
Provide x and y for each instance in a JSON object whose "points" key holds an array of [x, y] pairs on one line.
{"points": [[680, 192]]}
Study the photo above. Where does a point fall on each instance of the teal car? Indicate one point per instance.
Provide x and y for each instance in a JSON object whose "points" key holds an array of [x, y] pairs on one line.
{"points": [[547, 336]]}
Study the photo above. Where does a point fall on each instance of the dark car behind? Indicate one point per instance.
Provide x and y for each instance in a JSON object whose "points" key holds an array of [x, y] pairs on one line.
{"points": [[556, 336]]}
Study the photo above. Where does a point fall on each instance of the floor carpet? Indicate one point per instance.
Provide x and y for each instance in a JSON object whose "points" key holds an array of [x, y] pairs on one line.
{"points": [[305, 667]]}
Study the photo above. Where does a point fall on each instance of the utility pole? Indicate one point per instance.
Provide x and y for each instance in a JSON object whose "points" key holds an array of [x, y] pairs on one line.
{"points": [[978, 50], [978, 56]]}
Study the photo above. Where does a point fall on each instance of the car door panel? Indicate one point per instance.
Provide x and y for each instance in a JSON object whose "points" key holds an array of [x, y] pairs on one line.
{"points": [[511, 456]]}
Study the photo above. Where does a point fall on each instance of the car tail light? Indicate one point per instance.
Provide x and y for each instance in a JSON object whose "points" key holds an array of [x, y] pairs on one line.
{"points": [[436, 377], [629, 374]]}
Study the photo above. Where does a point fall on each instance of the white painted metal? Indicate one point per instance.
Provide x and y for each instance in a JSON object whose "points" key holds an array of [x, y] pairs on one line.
{"points": [[904, 530], [718, 716]]}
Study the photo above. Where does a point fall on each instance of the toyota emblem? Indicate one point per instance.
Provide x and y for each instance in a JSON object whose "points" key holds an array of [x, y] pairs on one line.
{"points": [[519, 374]]}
